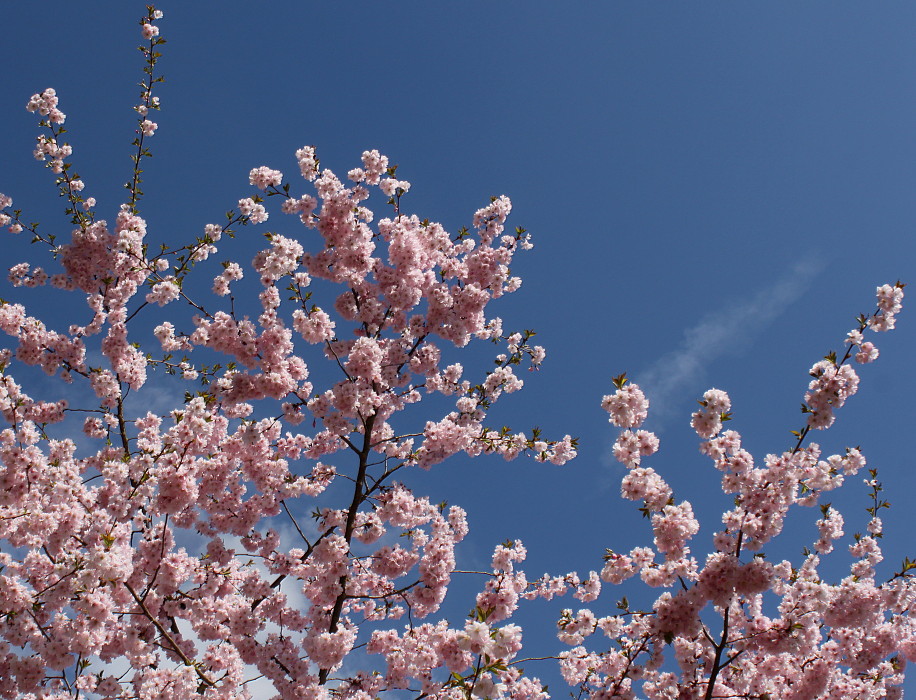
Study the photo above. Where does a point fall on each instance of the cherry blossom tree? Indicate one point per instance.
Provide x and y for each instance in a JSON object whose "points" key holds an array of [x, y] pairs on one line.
{"points": [[140, 551]]}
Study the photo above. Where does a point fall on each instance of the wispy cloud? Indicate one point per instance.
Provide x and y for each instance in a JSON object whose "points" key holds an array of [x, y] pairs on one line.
{"points": [[718, 334]]}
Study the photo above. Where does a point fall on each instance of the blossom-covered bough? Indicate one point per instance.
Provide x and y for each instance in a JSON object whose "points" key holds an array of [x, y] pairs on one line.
{"points": [[782, 632], [140, 552]]}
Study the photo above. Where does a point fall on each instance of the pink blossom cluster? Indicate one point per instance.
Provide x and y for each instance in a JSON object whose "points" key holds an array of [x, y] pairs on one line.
{"points": [[835, 381], [264, 177], [45, 103], [627, 406], [5, 219], [714, 408]]}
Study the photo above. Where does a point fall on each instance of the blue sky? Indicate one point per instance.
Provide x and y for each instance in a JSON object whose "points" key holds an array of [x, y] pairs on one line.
{"points": [[714, 190]]}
